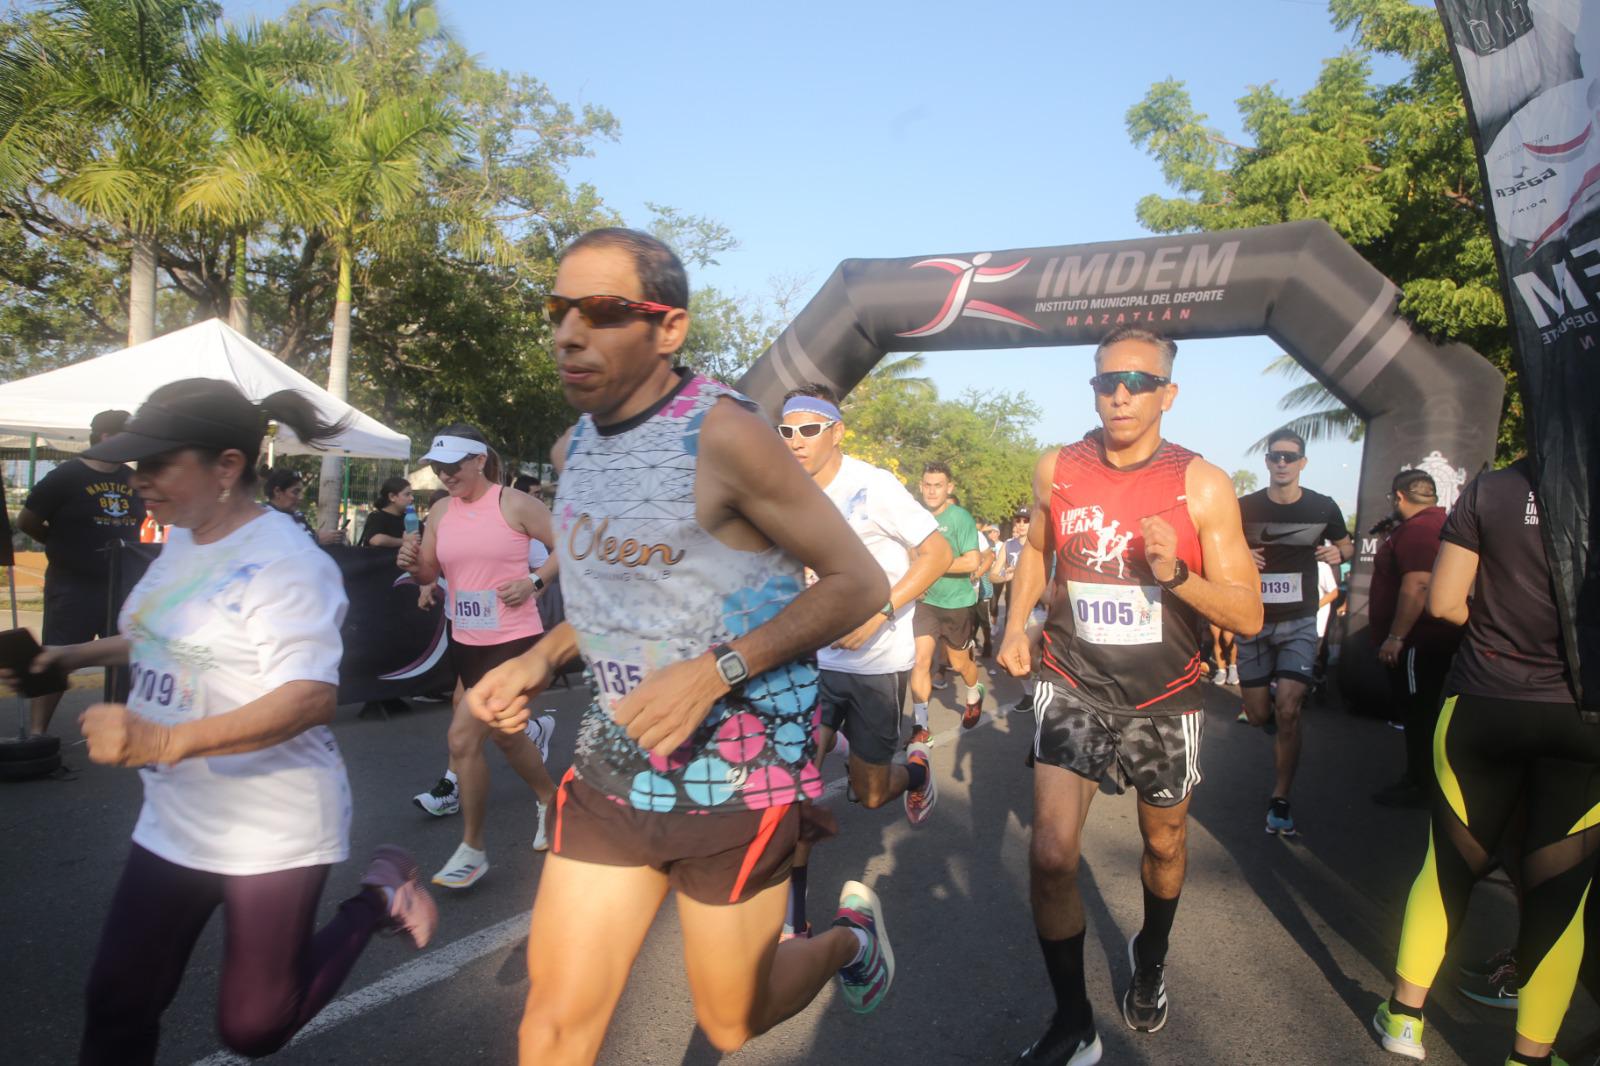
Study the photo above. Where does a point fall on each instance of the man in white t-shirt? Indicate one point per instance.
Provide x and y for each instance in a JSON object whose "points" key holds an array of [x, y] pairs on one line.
{"points": [[861, 690]]}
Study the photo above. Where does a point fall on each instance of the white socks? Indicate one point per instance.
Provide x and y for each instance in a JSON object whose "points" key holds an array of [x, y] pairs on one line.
{"points": [[919, 714]]}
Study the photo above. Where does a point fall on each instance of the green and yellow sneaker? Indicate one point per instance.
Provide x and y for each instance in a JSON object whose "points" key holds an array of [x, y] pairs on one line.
{"points": [[1399, 1033]]}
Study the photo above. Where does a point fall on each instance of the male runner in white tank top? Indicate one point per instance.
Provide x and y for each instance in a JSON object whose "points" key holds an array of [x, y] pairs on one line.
{"points": [[682, 530]]}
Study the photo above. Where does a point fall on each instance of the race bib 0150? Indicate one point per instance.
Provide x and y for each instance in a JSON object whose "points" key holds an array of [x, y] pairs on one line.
{"points": [[1115, 614], [1280, 588], [478, 609]]}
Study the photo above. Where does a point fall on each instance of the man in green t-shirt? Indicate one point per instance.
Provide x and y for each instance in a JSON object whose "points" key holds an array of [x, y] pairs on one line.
{"points": [[945, 612]]}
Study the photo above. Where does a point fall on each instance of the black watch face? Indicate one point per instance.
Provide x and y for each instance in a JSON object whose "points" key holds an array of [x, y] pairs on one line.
{"points": [[1487, 26]]}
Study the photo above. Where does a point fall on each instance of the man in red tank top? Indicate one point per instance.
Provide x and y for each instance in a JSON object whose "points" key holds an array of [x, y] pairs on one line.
{"points": [[1148, 548]]}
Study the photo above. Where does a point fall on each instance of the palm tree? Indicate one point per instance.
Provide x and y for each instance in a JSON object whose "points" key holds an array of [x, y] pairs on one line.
{"points": [[1326, 419], [900, 376], [386, 135], [115, 90], [258, 86]]}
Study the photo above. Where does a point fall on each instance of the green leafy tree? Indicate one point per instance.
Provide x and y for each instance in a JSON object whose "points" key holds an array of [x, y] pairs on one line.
{"points": [[96, 117], [1390, 167], [1244, 481]]}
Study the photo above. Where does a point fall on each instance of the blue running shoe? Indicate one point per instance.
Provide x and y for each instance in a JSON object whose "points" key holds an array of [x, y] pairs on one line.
{"points": [[1279, 819]]}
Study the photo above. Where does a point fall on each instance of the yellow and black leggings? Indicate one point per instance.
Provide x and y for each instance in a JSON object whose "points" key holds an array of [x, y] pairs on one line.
{"points": [[1489, 755]]}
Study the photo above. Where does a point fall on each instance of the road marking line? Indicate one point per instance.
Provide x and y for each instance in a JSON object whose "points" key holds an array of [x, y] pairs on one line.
{"points": [[446, 962]]}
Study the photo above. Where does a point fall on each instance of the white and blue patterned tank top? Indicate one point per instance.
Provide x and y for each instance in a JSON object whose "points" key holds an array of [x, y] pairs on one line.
{"points": [[645, 586]]}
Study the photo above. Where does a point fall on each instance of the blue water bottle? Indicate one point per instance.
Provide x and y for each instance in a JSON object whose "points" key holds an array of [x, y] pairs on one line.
{"points": [[412, 525]]}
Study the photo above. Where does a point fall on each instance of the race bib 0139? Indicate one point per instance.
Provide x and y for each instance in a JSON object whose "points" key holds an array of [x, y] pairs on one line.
{"points": [[1280, 588], [1115, 614], [478, 609]]}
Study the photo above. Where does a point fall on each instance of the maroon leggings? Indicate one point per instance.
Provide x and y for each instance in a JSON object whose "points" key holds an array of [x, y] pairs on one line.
{"points": [[276, 972]]}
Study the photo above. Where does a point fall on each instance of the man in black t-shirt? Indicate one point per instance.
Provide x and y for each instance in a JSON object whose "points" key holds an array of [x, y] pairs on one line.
{"points": [[1289, 530], [76, 511]]}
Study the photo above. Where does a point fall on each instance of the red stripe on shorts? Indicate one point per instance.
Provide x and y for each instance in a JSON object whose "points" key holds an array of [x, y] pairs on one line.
{"points": [[770, 820], [561, 801]]}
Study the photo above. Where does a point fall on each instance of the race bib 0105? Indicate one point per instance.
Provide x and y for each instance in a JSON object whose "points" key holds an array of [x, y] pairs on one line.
{"points": [[1280, 588], [478, 609], [1115, 614]]}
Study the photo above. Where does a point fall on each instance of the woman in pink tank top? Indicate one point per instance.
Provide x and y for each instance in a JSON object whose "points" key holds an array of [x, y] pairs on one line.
{"points": [[477, 541]]}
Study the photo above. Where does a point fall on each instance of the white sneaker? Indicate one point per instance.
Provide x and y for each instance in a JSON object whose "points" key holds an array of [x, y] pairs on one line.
{"points": [[541, 842], [464, 868], [1233, 674], [440, 800], [1219, 678], [540, 730]]}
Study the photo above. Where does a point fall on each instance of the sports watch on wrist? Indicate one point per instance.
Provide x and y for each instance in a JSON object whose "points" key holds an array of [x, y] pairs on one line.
{"points": [[538, 582], [887, 610], [730, 665], [1180, 574]]}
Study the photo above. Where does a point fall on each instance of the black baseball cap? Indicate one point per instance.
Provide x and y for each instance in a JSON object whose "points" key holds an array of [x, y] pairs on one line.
{"points": [[1024, 514], [193, 413]]}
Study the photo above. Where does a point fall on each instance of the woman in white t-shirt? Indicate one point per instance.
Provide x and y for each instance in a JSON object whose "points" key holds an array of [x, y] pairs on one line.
{"points": [[232, 643]]}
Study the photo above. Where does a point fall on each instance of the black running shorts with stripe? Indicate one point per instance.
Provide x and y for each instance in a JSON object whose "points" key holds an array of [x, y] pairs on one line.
{"points": [[1157, 756]]}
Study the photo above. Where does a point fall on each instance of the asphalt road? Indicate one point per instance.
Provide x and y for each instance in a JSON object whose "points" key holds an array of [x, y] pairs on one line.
{"points": [[1280, 953]]}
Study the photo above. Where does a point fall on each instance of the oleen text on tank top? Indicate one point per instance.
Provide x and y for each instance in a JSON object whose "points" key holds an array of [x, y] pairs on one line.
{"points": [[645, 587]]}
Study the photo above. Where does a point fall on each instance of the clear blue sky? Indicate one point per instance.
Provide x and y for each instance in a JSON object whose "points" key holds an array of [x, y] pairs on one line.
{"points": [[827, 130]]}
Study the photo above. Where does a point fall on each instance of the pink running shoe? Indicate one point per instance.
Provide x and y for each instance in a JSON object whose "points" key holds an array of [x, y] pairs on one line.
{"points": [[919, 802], [411, 910]]}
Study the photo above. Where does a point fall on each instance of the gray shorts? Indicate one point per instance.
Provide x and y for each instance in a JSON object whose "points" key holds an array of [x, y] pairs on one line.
{"points": [[1158, 756], [1281, 649], [866, 708]]}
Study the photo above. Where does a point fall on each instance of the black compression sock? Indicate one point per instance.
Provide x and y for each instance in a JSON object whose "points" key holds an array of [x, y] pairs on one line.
{"points": [[1396, 1007], [797, 899], [1151, 947], [1529, 1060], [1063, 961]]}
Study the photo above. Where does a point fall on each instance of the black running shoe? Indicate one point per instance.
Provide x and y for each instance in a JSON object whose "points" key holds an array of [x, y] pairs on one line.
{"points": [[1144, 1004], [1056, 1048]]}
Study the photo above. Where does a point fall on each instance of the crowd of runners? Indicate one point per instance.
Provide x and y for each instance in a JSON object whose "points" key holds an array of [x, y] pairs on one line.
{"points": [[744, 603]]}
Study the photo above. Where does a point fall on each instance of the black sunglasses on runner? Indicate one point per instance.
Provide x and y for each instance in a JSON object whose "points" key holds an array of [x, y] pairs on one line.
{"points": [[805, 429], [1135, 381], [1284, 457], [599, 310], [445, 469]]}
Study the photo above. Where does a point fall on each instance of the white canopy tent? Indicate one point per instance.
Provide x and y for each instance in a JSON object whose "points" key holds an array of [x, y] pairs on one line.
{"points": [[57, 405]]}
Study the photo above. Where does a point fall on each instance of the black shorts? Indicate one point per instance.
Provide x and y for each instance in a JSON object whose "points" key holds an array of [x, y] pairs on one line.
{"points": [[715, 858], [1157, 756], [953, 625], [472, 661], [74, 608], [866, 709]]}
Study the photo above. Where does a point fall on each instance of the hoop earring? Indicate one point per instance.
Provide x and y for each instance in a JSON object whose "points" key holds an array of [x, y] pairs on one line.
{"points": [[222, 497]]}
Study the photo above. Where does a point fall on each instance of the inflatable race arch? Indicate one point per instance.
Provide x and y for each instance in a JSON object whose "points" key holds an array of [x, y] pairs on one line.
{"points": [[1426, 405]]}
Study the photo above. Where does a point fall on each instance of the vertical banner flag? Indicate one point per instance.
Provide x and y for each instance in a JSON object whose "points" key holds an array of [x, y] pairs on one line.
{"points": [[1530, 73]]}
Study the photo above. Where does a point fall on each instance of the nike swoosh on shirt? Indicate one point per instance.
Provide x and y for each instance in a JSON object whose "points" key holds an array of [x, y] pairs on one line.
{"points": [[1286, 534]]}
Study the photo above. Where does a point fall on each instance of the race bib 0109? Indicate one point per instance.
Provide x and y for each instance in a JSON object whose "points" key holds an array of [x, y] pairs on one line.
{"points": [[1280, 588], [478, 609], [1115, 614], [160, 690]]}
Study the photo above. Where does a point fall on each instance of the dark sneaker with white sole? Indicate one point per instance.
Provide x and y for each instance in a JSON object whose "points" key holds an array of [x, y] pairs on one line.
{"points": [[1057, 1048], [1144, 1004]]}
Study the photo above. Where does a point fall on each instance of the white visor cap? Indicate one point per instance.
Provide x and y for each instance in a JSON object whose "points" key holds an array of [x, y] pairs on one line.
{"points": [[448, 449]]}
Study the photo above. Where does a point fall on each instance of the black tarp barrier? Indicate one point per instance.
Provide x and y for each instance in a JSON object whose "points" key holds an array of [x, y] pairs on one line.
{"points": [[1531, 78], [1426, 405], [392, 648]]}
